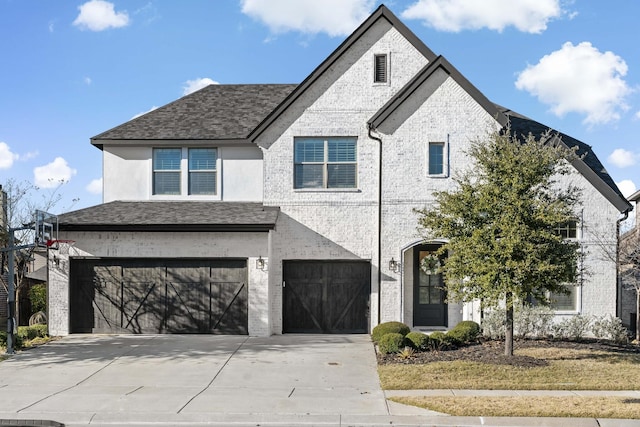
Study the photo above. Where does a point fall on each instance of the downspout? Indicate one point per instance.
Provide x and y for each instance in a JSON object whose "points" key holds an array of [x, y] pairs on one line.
{"points": [[618, 280], [371, 129]]}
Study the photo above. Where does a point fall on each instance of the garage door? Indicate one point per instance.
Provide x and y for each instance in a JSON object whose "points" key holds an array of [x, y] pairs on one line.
{"points": [[326, 296], [158, 296]]}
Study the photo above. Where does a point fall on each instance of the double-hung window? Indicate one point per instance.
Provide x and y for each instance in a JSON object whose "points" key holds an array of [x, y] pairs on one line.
{"points": [[202, 171], [325, 162], [166, 170]]}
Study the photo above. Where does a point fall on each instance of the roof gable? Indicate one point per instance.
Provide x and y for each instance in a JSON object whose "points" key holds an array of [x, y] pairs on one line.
{"points": [[381, 13], [586, 163], [440, 63], [216, 112]]}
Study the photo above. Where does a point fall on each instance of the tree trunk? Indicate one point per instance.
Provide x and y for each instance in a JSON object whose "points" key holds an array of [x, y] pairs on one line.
{"points": [[637, 314], [508, 336]]}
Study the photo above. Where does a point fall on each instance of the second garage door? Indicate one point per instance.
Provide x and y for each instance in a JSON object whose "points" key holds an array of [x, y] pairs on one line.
{"points": [[326, 296], [158, 296]]}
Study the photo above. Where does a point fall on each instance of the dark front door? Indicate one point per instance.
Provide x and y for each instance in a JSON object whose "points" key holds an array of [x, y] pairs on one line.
{"points": [[429, 294], [158, 296], [326, 296]]}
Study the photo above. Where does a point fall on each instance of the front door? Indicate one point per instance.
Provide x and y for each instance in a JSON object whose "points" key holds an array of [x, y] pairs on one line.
{"points": [[429, 293]]}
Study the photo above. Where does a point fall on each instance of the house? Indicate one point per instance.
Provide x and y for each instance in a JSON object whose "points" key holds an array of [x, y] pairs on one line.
{"points": [[629, 259], [268, 209]]}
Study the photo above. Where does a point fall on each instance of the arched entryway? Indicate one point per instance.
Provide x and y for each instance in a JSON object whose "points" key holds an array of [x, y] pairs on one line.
{"points": [[429, 291]]}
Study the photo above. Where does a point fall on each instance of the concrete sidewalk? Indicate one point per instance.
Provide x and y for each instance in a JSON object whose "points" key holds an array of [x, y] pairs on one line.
{"points": [[324, 380]]}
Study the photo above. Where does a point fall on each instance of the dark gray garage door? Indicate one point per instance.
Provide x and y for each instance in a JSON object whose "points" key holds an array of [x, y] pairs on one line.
{"points": [[326, 296], [160, 296]]}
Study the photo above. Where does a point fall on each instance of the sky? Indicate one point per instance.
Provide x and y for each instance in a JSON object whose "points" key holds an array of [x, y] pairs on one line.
{"points": [[70, 70]]}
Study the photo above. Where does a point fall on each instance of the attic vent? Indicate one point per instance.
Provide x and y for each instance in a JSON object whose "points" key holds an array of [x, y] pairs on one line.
{"points": [[380, 72]]}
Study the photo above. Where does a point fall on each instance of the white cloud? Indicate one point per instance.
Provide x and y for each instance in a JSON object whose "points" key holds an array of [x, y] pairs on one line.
{"points": [[144, 112], [579, 79], [627, 187], [95, 186], [333, 17], [87, 81], [191, 86], [99, 15], [529, 16], [623, 158], [637, 115], [53, 174], [6, 156]]}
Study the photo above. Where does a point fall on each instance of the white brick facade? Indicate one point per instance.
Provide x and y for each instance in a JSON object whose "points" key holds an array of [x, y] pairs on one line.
{"points": [[339, 100]]}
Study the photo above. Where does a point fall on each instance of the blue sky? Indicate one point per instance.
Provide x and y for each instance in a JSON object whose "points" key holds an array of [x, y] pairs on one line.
{"points": [[70, 70]]}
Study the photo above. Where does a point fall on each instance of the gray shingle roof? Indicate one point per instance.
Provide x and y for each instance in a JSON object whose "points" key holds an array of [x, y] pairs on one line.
{"points": [[171, 216], [218, 112], [587, 163]]}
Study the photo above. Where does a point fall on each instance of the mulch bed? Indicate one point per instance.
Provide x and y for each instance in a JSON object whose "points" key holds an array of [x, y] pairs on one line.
{"points": [[491, 351]]}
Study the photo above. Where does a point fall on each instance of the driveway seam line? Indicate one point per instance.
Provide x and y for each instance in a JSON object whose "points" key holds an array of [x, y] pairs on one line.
{"points": [[79, 382], [215, 376]]}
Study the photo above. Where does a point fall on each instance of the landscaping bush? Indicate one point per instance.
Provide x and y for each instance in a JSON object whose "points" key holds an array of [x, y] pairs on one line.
{"points": [[573, 327], [387, 328], [392, 342], [464, 332], [38, 298], [418, 341], [533, 321], [18, 342], [438, 341], [611, 328]]}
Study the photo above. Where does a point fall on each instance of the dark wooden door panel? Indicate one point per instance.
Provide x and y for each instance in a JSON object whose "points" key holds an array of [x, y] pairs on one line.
{"points": [[326, 297], [158, 296]]}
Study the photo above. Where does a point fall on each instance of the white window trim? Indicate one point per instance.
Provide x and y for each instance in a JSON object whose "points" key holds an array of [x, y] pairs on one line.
{"points": [[445, 155], [184, 178], [373, 69]]}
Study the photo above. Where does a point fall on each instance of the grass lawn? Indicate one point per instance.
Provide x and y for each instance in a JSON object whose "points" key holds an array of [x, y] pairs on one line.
{"points": [[578, 368], [529, 406]]}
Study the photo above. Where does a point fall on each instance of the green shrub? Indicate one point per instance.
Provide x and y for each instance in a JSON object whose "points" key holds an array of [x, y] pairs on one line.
{"points": [[464, 332], [573, 327], [418, 341], [392, 342], [438, 341], [18, 342], [38, 297], [387, 328]]}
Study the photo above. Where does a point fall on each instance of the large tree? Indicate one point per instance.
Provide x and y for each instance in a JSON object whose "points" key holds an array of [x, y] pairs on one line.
{"points": [[501, 224]]}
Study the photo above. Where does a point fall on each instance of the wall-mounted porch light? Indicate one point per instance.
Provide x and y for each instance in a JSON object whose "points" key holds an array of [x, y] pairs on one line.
{"points": [[394, 265], [261, 263]]}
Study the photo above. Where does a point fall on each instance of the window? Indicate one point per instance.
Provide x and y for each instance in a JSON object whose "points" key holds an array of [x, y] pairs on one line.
{"points": [[202, 171], [436, 158], [565, 302], [166, 170], [380, 69], [569, 230], [325, 162]]}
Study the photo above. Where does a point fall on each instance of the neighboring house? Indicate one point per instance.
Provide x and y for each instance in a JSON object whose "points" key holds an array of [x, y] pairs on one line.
{"points": [[629, 260], [268, 209]]}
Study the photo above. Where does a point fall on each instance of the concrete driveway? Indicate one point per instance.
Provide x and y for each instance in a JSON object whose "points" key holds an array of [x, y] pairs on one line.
{"points": [[198, 379]]}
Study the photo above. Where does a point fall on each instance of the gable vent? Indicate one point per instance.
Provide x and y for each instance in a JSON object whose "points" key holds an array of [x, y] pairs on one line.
{"points": [[380, 72]]}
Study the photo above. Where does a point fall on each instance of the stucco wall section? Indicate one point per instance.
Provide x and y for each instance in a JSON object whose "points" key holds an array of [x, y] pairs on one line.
{"points": [[128, 175]]}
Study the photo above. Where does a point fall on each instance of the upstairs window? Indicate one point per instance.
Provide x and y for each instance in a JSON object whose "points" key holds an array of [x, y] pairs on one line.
{"points": [[436, 159], [166, 170], [569, 230], [202, 171], [380, 72], [325, 162]]}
